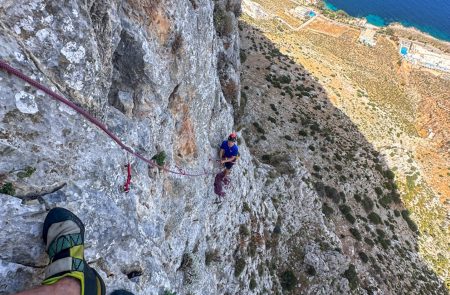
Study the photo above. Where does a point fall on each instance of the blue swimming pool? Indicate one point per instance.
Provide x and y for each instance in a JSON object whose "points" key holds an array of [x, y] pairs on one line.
{"points": [[404, 51]]}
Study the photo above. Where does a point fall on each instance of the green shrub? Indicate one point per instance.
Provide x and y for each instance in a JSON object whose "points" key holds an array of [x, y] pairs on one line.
{"points": [[412, 225], [27, 172], [364, 258], [288, 137], [369, 241], [167, 292], [357, 198], [223, 22], [266, 158], [310, 270], [352, 277], [260, 270], [326, 210], [345, 209], [273, 120], [315, 127], [243, 56], [303, 133], [396, 197], [384, 243], [160, 158], [246, 207], [239, 266], [378, 190], [350, 218], [259, 128], [212, 256], [374, 218], [355, 233], [8, 189], [252, 284], [288, 280], [389, 174], [332, 193], [284, 79], [385, 201], [380, 233], [316, 168], [243, 230], [252, 247], [367, 204]]}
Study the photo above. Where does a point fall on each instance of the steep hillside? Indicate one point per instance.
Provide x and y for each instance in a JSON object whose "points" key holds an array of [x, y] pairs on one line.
{"points": [[401, 110], [289, 121]]}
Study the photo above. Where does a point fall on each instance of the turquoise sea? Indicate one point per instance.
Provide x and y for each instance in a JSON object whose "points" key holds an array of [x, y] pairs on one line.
{"points": [[429, 16]]}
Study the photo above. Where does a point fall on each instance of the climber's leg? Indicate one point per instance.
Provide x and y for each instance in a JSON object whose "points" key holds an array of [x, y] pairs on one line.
{"points": [[65, 286]]}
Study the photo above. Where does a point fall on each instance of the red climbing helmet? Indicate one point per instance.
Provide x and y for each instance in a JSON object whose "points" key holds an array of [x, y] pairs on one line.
{"points": [[232, 137]]}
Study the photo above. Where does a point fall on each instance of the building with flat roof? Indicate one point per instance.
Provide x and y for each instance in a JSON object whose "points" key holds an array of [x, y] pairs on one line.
{"points": [[367, 37], [303, 12], [425, 56]]}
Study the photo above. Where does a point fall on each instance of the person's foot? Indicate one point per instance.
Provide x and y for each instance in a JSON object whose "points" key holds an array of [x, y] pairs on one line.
{"points": [[63, 236]]}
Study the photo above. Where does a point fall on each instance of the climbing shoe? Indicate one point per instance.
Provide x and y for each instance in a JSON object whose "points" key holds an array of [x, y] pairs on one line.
{"points": [[63, 236]]}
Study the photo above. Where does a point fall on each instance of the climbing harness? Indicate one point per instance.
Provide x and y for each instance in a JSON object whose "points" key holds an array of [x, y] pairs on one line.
{"points": [[6, 67]]}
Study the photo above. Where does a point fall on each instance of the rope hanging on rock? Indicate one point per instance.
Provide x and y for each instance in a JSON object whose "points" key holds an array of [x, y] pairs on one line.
{"points": [[6, 67], [126, 187]]}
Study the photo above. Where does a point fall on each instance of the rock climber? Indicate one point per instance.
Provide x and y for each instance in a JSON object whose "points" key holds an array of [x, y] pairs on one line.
{"points": [[229, 152]]}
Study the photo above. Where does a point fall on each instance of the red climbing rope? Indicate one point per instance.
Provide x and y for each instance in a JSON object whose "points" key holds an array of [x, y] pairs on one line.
{"points": [[81, 111], [126, 187]]}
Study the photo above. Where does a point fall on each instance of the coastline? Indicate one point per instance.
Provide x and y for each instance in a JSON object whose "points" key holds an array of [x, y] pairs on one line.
{"points": [[427, 38], [324, 5]]}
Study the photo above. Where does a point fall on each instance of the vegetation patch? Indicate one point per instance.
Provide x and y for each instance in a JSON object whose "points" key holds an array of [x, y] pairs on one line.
{"points": [[252, 285], [246, 207], [355, 233], [352, 277], [27, 172], [212, 256], [374, 218], [243, 230], [367, 204], [8, 189], [160, 158], [288, 280], [327, 210], [259, 128], [412, 225], [363, 256], [239, 266]]}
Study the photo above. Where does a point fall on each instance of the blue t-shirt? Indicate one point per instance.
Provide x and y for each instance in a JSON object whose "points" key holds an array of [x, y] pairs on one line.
{"points": [[229, 152]]}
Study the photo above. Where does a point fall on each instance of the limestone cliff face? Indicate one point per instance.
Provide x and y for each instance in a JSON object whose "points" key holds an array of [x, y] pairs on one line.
{"points": [[162, 75]]}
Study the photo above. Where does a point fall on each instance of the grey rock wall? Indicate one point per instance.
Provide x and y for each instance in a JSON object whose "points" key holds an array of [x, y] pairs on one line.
{"points": [[148, 69]]}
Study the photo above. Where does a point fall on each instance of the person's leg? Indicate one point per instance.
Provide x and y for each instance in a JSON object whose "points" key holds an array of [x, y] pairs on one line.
{"points": [[228, 167], [66, 286]]}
